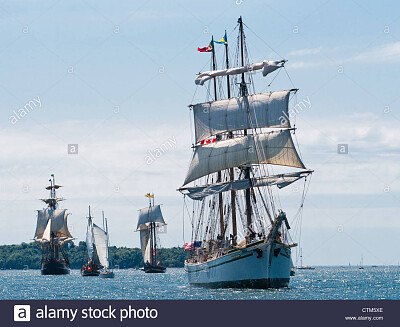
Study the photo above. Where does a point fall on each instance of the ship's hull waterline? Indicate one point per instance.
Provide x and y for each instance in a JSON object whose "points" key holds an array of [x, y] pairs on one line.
{"points": [[154, 269], [54, 267], [257, 266]]}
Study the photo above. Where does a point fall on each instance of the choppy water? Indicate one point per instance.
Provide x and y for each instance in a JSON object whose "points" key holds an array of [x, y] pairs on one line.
{"points": [[321, 283]]}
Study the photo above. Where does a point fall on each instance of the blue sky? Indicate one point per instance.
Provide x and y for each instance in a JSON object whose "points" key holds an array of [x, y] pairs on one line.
{"points": [[120, 95]]}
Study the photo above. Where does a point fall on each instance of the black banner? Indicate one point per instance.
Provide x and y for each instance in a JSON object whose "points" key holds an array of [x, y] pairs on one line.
{"points": [[199, 313]]}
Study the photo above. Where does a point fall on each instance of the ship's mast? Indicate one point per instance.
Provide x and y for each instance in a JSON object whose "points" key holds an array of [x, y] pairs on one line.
{"points": [[219, 177], [243, 93], [231, 171], [153, 244], [91, 229]]}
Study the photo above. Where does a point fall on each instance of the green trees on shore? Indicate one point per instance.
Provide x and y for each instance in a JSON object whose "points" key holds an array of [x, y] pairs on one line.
{"points": [[18, 256]]}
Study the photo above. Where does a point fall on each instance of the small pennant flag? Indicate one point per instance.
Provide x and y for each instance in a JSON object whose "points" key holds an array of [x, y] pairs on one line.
{"points": [[148, 195], [209, 48], [223, 40]]}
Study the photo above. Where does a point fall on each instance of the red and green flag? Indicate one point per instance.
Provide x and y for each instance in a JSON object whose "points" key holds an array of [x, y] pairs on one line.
{"points": [[209, 48]]}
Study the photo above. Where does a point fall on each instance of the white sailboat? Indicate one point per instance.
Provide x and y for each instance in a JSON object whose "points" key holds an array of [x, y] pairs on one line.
{"points": [[240, 236], [361, 263], [101, 240], [301, 262]]}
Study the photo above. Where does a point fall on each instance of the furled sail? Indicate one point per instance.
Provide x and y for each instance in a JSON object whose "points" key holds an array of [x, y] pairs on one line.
{"points": [[59, 224], [101, 241], [253, 111], [150, 214], [266, 66], [282, 180], [274, 148], [89, 240], [145, 245]]}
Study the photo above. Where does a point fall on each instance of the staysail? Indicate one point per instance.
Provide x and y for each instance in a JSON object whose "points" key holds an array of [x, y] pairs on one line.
{"points": [[274, 148], [149, 215], [266, 66], [58, 224], [281, 180], [101, 241], [253, 111]]}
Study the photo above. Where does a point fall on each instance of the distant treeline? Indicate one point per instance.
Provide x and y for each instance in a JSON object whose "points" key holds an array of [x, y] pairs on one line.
{"points": [[18, 256]]}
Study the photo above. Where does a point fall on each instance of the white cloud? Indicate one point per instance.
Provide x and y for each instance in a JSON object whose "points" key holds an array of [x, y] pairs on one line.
{"points": [[304, 52], [386, 53]]}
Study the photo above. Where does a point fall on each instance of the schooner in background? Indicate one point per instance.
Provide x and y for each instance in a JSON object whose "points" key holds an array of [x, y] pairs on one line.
{"points": [[91, 268], [102, 242], [239, 231], [52, 234], [150, 219]]}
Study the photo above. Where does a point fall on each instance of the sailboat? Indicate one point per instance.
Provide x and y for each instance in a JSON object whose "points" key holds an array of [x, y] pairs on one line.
{"points": [[91, 268], [52, 234], [240, 235], [301, 262], [150, 219], [361, 263], [101, 240]]}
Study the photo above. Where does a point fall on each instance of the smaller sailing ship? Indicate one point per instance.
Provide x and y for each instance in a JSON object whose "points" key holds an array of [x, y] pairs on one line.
{"points": [[102, 242], [150, 219], [91, 268], [301, 262], [52, 234], [361, 263]]}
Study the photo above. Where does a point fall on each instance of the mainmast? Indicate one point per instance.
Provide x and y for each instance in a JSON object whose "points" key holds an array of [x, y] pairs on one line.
{"points": [[153, 244], [89, 236], [231, 170], [219, 177], [243, 93]]}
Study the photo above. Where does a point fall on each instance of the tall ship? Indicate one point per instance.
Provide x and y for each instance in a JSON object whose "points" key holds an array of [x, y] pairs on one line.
{"points": [[52, 234], [91, 267], [240, 232], [150, 220]]}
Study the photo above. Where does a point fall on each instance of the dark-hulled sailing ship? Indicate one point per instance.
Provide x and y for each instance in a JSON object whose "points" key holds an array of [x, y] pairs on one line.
{"points": [[240, 234], [52, 234], [150, 219]]}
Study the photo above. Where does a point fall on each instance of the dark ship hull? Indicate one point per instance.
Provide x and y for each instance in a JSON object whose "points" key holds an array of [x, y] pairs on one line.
{"points": [[55, 267], [90, 269], [154, 269]]}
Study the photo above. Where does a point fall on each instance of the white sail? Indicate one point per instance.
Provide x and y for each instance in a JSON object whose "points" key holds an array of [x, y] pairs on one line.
{"points": [[274, 148], [59, 224], [145, 245], [89, 240], [47, 232], [101, 241], [266, 66], [150, 214], [282, 180], [253, 111]]}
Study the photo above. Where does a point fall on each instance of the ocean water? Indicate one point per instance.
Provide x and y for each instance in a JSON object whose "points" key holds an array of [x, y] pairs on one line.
{"points": [[320, 284]]}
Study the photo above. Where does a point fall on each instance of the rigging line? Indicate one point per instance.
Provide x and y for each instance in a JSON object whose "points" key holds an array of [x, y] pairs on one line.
{"points": [[289, 77], [262, 40]]}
